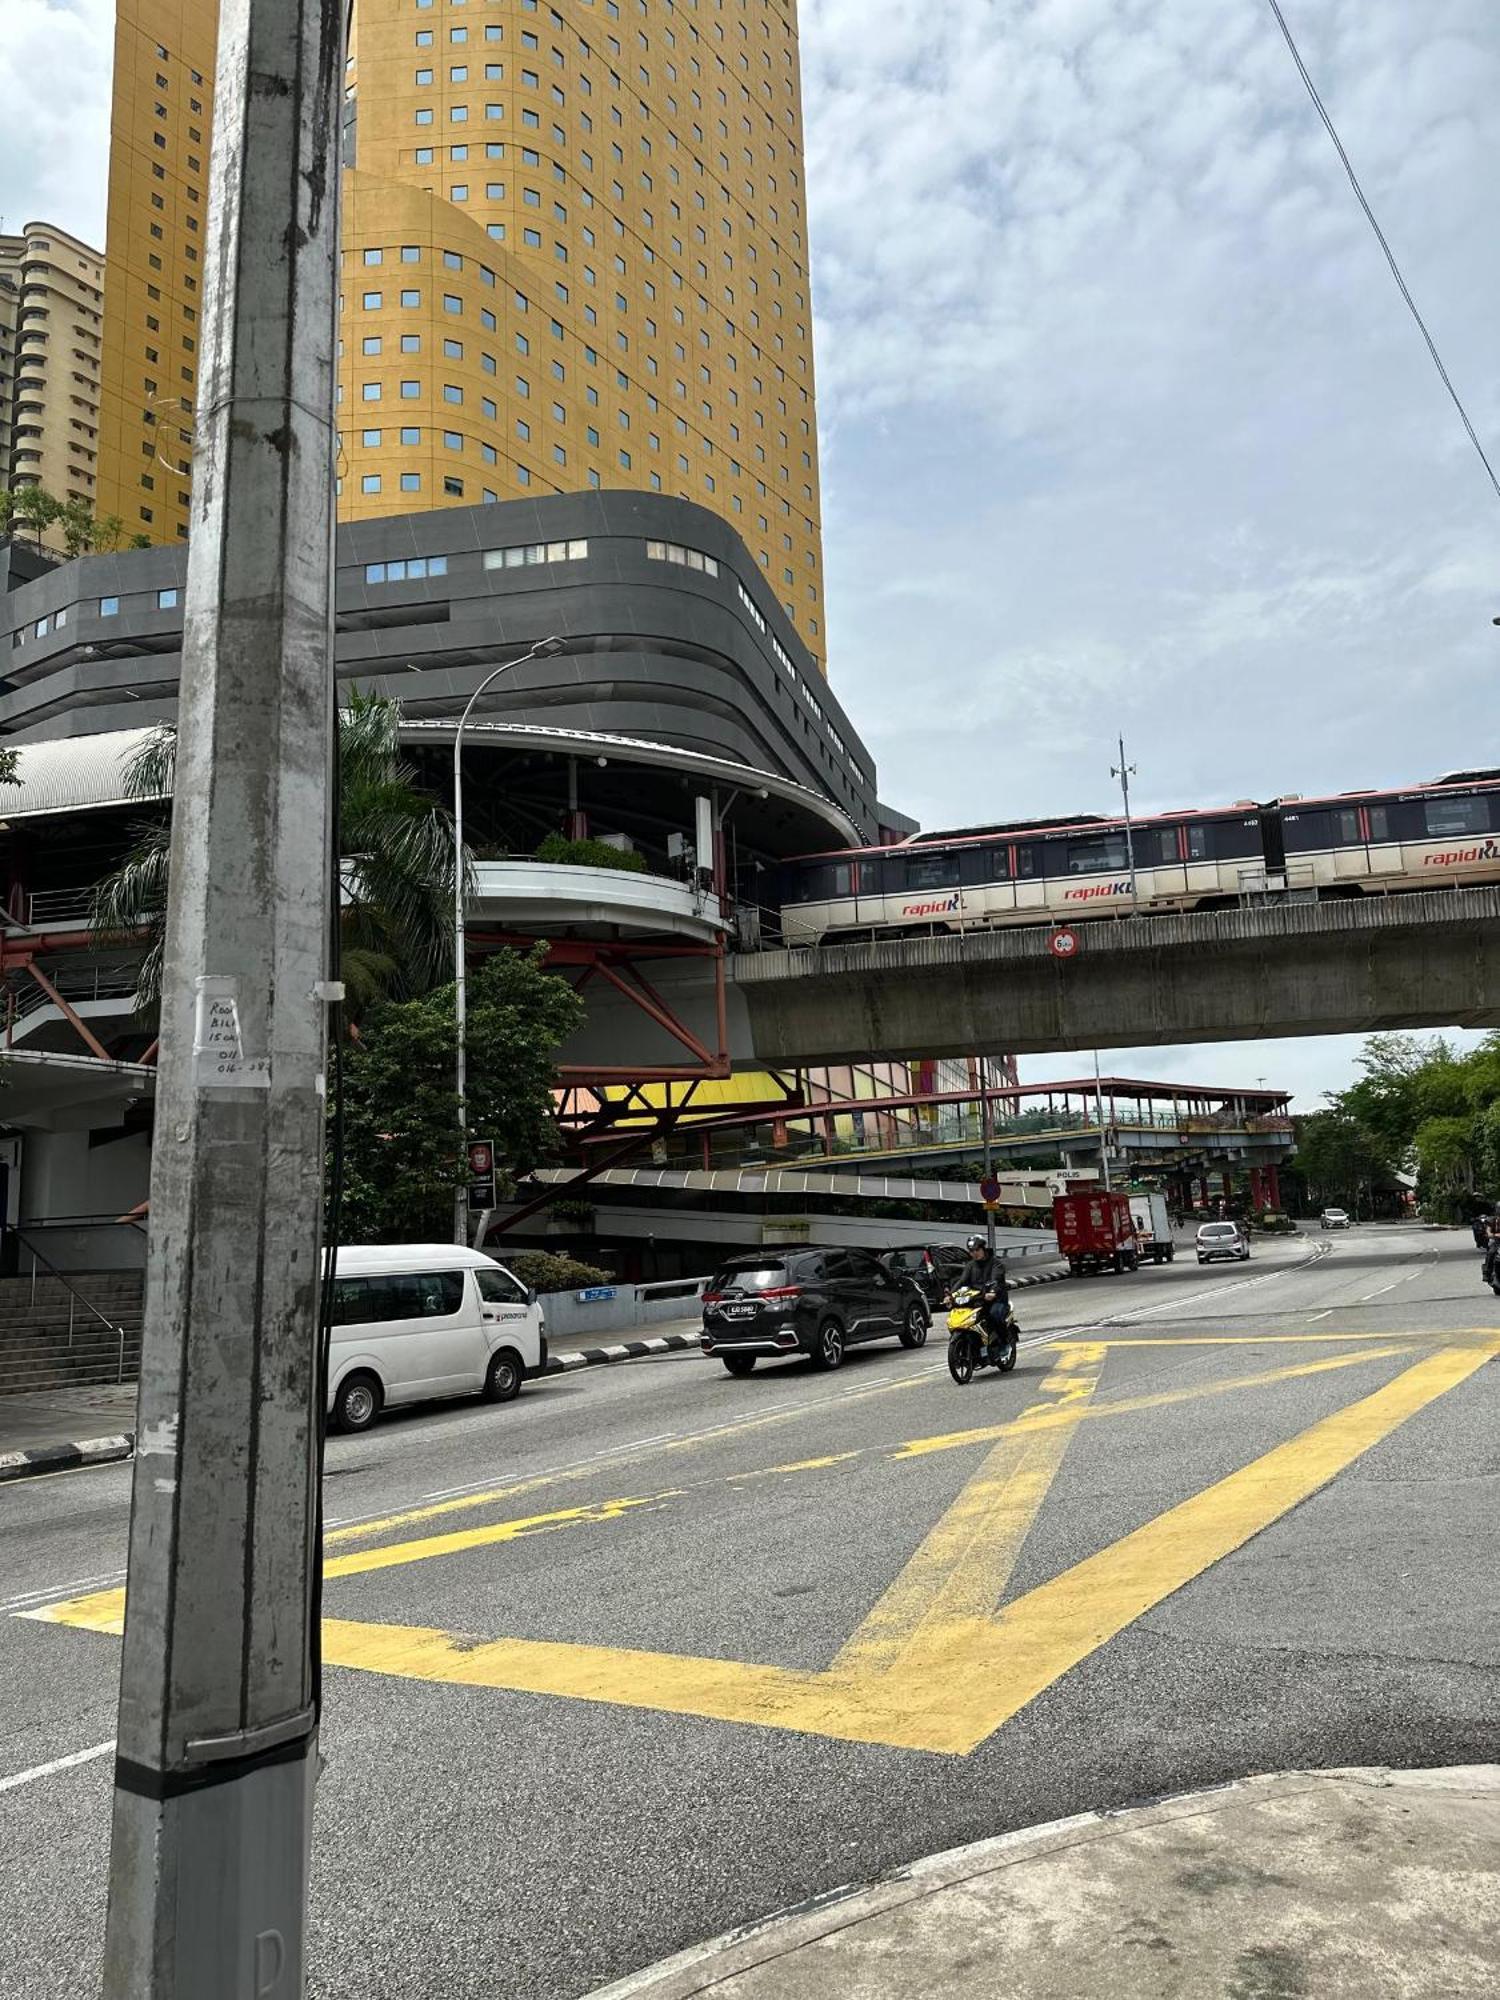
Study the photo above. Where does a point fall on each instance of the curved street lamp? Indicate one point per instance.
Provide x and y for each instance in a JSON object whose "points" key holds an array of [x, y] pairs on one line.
{"points": [[542, 650]]}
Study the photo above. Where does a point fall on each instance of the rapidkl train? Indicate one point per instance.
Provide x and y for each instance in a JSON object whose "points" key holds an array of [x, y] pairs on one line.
{"points": [[1041, 872]]}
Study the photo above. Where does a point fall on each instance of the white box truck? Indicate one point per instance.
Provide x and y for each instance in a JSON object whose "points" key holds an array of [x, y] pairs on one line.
{"points": [[1153, 1228]]}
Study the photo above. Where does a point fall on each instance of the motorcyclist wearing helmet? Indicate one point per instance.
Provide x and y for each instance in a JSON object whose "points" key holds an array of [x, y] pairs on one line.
{"points": [[985, 1273]]}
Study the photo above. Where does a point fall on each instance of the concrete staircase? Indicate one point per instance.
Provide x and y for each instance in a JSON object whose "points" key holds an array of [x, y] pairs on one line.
{"points": [[51, 1339]]}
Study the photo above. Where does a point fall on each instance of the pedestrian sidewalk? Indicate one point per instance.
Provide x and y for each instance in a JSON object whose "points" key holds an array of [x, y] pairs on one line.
{"points": [[65, 1427], [1339, 1885], [71, 1427]]}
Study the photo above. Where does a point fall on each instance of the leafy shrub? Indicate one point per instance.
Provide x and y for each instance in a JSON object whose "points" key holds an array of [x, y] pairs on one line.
{"points": [[544, 1271], [590, 854]]}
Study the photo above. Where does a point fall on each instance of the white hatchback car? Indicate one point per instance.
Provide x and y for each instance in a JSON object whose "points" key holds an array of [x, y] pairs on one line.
{"points": [[1222, 1239], [1334, 1218]]}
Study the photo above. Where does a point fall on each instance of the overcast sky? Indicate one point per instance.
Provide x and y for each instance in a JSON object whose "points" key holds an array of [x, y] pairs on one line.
{"points": [[1124, 425]]}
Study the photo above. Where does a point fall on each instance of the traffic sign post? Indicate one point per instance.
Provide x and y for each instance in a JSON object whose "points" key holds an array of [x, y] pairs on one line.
{"points": [[481, 1174], [1063, 943]]}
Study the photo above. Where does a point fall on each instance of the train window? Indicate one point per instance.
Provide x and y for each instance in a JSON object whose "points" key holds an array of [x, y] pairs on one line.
{"points": [[1197, 843], [1380, 823], [1105, 853], [1446, 817], [1346, 828], [986, 864], [819, 880], [932, 871], [1026, 866], [1157, 844], [1306, 832]]}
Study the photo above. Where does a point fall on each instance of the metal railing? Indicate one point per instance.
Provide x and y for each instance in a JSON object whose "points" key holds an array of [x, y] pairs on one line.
{"points": [[77, 1302], [44, 907], [859, 1130], [113, 981]]}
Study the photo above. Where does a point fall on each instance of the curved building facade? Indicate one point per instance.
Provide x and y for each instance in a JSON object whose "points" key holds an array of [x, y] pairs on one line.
{"points": [[666, 633]]}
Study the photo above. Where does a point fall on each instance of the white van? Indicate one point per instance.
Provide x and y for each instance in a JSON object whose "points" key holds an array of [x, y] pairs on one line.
{"points": [[412, 1321]]}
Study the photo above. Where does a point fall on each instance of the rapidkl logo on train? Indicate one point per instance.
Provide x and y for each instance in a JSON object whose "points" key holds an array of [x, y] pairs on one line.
{"points": [[1087, 895]]}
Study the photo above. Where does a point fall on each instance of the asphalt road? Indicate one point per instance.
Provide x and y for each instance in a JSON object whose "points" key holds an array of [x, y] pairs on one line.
{"points": [[763, 1637]]}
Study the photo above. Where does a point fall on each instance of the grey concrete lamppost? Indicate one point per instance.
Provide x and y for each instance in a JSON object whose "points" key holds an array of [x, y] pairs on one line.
{"points": [[542, 650], [217, 1744]]}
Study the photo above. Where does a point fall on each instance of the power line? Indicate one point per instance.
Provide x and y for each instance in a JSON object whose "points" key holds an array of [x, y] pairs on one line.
{"points": [[1437, 359]]}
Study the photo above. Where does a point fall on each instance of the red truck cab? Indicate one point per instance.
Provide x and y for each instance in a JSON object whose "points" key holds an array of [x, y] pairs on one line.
{"points": [[1095, 1232]]}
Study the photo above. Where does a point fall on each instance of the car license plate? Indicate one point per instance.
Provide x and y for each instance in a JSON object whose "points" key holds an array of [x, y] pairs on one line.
{"points": [[739, 1312]]}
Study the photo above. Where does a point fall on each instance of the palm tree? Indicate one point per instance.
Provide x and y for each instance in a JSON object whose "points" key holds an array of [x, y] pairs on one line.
{"points": [[396, 866]]}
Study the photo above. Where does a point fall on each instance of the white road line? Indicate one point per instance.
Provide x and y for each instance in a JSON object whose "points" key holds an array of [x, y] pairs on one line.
{"points": [[57, 1764], [599, 1461], [1194, 1298], [80, 1587]]}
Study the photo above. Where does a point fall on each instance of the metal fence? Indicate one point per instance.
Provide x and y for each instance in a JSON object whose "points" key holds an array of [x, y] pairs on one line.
{"points": [[71, 1327]]}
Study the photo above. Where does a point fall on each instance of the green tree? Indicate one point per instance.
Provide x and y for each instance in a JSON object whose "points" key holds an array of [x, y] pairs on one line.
{"points": [[10, 767], [1338, 1159], [1445, 1167], [80, 531], [403, 1153], [1386, 1099], [396, 844], [33, 507]]}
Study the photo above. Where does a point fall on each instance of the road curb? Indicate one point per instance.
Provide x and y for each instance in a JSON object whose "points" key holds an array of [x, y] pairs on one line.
{"points": [[101, 1451], [65, 1457], [623, 1350], [721, 1961], [43, 1458]]}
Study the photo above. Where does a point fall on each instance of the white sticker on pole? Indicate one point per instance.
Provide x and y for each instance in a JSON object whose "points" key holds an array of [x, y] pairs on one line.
{"points": [[219, 1059]]}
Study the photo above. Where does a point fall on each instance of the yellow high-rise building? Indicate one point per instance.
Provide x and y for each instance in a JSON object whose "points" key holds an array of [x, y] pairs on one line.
{"points": [[154, 252], [574, 255]]}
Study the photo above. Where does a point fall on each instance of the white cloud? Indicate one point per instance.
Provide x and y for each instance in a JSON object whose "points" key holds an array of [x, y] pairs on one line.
{"points": [[55, 63], [1125, 426]]}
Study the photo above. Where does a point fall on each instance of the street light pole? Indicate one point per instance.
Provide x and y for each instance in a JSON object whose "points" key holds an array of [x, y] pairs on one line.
{"points": [[985, 1133], [1125, 772], [543, 649], [218, 1730], [1099, 1114]]}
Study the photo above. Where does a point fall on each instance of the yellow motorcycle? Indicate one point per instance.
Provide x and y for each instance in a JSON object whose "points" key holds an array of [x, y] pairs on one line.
{"points": [[972, 1344]]}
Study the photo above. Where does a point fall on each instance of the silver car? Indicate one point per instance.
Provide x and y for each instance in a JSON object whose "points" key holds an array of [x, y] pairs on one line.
{"points": [[1222, 1240]]}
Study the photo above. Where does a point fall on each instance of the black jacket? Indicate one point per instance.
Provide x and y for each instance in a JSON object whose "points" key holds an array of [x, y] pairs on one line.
{"points": [[984, 1273]]}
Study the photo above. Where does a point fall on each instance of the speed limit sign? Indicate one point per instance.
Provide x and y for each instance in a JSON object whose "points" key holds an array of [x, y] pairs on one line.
{"points": [[1063, 943]]}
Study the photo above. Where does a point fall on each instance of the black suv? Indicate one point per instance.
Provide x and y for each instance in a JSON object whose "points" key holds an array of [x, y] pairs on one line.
{"points": [[814, 1302], [934, 1268]]}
